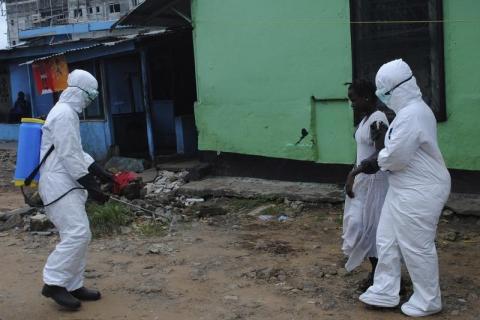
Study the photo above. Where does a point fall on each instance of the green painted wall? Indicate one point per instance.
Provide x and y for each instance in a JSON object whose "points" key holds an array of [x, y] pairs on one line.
{"points": [[258, 63], [459, 137]]}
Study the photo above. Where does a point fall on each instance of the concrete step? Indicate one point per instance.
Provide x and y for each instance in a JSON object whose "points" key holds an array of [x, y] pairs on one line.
{"points": [[252, 188]]}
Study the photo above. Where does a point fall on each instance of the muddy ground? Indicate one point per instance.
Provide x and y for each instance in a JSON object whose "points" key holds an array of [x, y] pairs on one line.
{"points": [[224, 262]]}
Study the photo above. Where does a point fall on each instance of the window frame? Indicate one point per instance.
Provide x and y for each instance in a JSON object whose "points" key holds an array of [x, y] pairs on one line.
{"points": [[437, 73], [78, 13], [113, 6]]}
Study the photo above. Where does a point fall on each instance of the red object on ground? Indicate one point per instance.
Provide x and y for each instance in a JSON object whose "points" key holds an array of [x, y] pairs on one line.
{"points": [[122, 179]]}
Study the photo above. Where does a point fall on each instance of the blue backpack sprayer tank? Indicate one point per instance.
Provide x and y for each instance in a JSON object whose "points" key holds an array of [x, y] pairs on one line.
{"points": [[28, 152], [27, 171]]}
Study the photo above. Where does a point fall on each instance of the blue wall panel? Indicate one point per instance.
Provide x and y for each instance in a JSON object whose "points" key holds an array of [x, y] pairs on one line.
{"points": [[42, 103], [9, 132], [66, 29], [96, 138], [19, 81], [124, 85]]}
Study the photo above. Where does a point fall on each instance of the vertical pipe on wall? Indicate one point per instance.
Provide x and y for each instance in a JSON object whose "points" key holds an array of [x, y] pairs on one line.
{"points": [[106, 98], [146, 101], [31, 85]]}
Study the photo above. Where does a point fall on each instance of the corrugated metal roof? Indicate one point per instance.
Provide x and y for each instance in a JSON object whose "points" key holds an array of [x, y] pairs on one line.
{"points": [[160, 13], [61, 53], [116, 41]]}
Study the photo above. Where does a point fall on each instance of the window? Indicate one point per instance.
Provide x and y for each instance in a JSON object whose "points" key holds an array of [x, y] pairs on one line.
{"points": [[98, 9], [77, 13], [95, 110], [134, 3], [12, 22], [419, 44], [114, 7], [90, 10], [14, 42]]}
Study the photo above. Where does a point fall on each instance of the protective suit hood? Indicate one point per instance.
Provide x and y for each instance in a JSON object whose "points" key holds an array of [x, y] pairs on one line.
{"points": [[392, 74], [79, 82]]}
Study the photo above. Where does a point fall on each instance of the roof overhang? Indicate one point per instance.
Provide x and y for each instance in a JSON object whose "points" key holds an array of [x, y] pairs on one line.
{"points": [[158, 13], [80, 50]]}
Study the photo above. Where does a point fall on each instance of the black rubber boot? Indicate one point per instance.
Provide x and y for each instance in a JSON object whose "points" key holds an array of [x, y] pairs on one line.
{"points": [[61, 296], [86, 294], [366, 283]]}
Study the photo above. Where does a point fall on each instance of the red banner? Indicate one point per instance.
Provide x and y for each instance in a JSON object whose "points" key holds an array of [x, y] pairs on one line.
{"points": [[50, 74]]}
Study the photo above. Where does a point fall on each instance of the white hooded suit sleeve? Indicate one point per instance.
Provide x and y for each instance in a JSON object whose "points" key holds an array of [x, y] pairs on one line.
{"points": [[401, 143], [68, 145], [88, 159]]}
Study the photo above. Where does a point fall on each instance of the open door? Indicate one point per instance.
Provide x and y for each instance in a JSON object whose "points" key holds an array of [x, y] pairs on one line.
{"points": [[127, 108]]}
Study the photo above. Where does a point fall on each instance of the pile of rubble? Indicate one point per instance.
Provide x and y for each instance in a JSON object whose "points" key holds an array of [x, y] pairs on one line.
{"points": [[165, 182], [26, 219]]}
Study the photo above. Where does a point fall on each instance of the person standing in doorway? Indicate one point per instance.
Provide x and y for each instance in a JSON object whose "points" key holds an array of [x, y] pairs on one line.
{"points": [[21, 109]]}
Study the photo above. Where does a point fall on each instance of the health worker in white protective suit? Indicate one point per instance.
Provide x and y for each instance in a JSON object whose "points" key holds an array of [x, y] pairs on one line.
{"points": [[419, 188], [66, 169]]}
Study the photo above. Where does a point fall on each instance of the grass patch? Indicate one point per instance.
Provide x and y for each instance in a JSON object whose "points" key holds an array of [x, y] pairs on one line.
{"points": [[272, 211], [108, 218], [244, 204], [153, 229], [339, 220]]}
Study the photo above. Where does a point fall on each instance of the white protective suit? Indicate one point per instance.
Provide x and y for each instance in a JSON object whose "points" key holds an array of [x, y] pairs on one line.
{"points": [[362, 213], [419, 188], [67, 163]]}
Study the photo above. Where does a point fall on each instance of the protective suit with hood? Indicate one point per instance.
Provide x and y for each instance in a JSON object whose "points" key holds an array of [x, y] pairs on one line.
{"points": [[67, 168], [419, 188]]}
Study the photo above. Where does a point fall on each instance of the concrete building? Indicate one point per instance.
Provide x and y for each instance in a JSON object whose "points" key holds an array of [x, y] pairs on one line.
{"points": [[98, 10], [29, 19], [266, 71]]}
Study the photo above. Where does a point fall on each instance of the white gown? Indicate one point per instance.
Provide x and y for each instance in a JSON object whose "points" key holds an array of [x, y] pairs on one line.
{"points": [[362, 213]]}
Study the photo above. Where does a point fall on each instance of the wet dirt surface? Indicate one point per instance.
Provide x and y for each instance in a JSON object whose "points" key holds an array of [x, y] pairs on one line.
{"points": [[233, 266], [229, 259]]}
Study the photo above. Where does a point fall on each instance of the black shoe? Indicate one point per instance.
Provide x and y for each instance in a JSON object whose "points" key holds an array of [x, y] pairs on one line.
{"points": [[61, 296], [86, 294]]}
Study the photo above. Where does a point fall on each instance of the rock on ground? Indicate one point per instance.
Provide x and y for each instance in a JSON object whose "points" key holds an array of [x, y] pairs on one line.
{"points": [[464, 204]]}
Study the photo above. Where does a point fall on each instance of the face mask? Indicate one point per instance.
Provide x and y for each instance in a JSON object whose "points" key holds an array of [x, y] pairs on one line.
{"points": [[350, 103], [385, 95]]}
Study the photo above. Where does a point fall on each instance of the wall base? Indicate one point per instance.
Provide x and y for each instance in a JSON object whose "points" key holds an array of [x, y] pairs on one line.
{"points": [[231, 164]]}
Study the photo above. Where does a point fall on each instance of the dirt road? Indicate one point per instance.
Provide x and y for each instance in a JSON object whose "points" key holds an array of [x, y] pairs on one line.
{"points": [[232, 266]]}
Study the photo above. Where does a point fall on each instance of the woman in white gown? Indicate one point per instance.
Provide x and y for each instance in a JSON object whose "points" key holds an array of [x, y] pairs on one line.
{"points": [[365, 192]]}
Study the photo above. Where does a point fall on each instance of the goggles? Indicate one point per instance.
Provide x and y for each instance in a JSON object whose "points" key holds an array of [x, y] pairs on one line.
{"points": [[92, 94]]}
